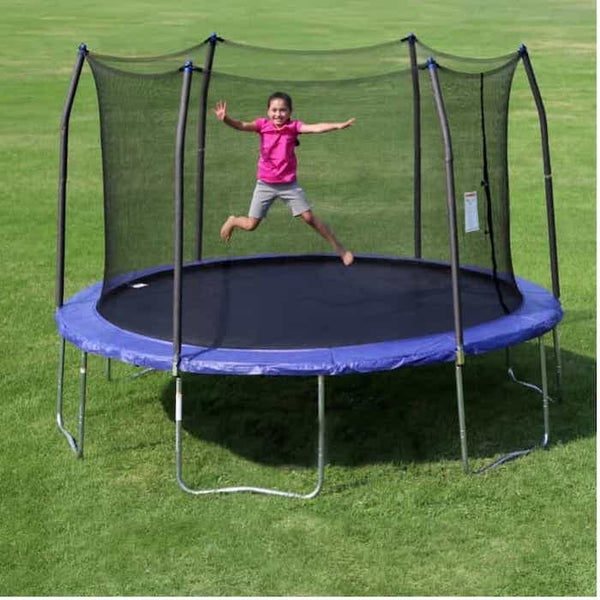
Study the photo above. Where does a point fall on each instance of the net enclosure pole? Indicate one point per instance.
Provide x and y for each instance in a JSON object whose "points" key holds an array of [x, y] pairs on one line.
{"points": [[178, 237], [452, 232], [62, 175], [549, 191], [178, 209], [547, 169], [206, 73], [416, 143], [451, 200]]}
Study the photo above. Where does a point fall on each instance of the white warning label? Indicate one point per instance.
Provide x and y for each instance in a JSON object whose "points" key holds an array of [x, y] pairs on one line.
{"points": [[471, 212]]}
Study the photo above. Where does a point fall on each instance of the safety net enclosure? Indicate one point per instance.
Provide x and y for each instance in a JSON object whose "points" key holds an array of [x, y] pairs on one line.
{"points": [[361, 180], [418, 189]]}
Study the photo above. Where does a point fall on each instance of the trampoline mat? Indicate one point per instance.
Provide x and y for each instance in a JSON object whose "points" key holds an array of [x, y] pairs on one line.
{"points": [[304, 302]]}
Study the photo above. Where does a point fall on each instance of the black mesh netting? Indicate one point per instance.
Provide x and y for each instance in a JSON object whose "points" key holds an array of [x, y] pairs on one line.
{"points": [[360, 181]]}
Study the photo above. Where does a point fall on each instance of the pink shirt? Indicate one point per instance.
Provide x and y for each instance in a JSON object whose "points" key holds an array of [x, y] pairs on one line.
{"points": [[277, 162]]}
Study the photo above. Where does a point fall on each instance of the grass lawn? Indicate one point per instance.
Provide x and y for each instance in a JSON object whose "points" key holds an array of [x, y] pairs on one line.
{"points": [[397, 516]]}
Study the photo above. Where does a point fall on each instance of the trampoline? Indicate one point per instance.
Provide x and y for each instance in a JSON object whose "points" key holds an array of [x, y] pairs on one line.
{"points": [[309, 326], [300, 313]]}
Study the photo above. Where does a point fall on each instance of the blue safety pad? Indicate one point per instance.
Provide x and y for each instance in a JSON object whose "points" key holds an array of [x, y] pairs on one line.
{"points": [[79, 322]]}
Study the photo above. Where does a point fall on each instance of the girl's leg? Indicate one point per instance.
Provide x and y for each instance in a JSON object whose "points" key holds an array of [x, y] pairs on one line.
{"points": [[309, 218], [233, 222], [262, 198]]}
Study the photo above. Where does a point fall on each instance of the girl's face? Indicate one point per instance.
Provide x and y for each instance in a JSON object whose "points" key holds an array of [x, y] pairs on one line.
{"points": [[279, 112]]}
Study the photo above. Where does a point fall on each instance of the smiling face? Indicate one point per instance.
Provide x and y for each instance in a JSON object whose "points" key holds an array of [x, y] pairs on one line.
{"points": [[279, 112]]}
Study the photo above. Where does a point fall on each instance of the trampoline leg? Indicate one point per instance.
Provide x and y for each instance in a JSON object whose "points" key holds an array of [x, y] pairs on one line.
{"points": [[256, 490], [545, 397], [461, 419], [108, 369], [76, 445], [558, 359], [545, 406]]}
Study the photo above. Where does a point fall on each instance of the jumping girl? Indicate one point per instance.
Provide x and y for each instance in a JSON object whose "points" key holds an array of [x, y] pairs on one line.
{"points": [[276, 176]]}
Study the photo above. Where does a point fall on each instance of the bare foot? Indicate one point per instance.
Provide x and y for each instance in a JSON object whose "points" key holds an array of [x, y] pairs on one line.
{"points": [[227, 229], [347, 257]]}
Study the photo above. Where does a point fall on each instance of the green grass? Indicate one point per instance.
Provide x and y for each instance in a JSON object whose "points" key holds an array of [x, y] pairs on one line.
{"points": [[396, 517]]}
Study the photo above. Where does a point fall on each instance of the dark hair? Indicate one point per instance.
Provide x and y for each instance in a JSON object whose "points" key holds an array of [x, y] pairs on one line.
{"points": [[287, 99], [281, 96]]}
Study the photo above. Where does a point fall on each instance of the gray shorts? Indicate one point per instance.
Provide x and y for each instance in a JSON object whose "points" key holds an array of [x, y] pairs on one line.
{"points": [[266, 193]]}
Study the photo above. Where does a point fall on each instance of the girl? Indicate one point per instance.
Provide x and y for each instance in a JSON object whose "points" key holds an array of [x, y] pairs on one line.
{"points": [[277, 168]]}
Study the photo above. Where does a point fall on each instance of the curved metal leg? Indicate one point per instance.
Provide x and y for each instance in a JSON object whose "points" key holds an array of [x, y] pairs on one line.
{"points": [[256, 490], [532, 386], [75, 444], [545, 407]]}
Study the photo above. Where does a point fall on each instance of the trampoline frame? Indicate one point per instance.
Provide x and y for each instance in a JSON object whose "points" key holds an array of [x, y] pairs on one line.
{"points": [[77, 444]]}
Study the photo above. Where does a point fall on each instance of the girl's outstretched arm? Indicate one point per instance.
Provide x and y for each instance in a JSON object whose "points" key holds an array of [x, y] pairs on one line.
{"points": [[326, 127], [221, 113]]}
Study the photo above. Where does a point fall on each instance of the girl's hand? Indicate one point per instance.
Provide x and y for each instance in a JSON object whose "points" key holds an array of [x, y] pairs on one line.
{"points": [[221, 110], [347, 123]]}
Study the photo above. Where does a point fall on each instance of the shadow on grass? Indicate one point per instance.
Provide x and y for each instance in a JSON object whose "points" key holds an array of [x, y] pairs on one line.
{"points": [[399, 417]]}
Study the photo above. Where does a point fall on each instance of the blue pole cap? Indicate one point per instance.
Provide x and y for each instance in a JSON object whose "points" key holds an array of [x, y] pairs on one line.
{"points": [[188, 66], [431, 64], [83, 48], [214, 37], [522, 49]]}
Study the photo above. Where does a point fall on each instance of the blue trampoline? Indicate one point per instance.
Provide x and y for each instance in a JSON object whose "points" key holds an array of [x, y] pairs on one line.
{"points": [[405, 310], [437, 285]]}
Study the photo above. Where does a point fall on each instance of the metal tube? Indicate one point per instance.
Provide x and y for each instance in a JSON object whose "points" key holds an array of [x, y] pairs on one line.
{"points": [[417, 144], [202, 142], [62, 176], [454, 255], [82, 399], [178, 432], [451, 202], [75, 445], [178, 220], [545, 403], [60, 394], [526, 384], [558, 359], [462, 422], [321, 437], [252, 489], [547, 170]]}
